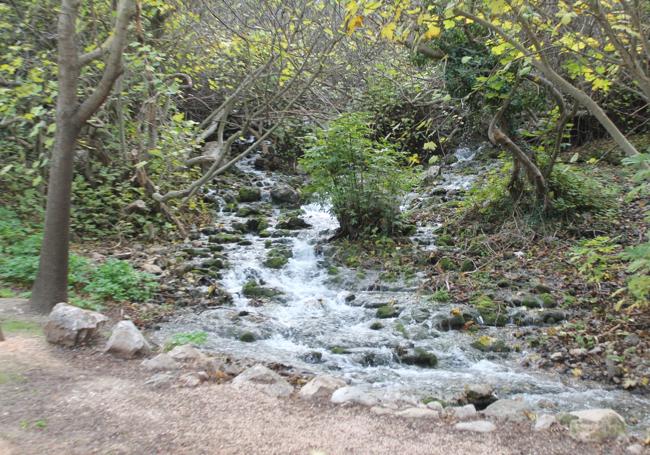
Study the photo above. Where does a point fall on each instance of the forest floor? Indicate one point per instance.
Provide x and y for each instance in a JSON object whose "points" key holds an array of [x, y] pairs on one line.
{"points": [[57, 400]]}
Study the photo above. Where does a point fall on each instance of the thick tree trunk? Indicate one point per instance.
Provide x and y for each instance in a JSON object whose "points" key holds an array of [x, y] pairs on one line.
{"points": [[51, 285]]}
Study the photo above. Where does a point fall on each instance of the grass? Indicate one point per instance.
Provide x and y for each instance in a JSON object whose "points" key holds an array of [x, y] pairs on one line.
{"points": [[18, 326]]}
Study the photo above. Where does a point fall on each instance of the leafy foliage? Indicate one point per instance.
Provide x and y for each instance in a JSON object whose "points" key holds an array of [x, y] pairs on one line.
{"points": [[595, 258], [117, 280], [362, 179], [179, 339]]}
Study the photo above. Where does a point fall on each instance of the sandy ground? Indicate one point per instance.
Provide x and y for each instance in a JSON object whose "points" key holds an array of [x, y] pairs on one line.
{"points": [[61, 401]]}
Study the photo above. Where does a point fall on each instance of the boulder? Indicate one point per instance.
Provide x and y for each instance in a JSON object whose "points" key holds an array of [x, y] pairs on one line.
{"points": [[321, 387], [264, 379], [477, 426], [292, 222], [464, 412], [513, 410], [351, 394], [480, 395], [418, 413], [596, 425], [284, 194], [161, 362], [126, 341], [70, 326], [249, 194], [193, 379]]}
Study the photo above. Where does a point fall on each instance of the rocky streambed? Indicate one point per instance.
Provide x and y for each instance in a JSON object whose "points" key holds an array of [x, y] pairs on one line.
{"points": [[268, 294]]}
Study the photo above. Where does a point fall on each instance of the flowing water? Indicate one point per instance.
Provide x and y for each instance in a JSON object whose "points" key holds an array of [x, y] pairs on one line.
{"points": [[315, 327]]}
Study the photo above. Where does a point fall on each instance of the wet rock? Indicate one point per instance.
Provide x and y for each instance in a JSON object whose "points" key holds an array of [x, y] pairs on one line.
{"points": [[224, 237], [552, 316], [284, 194], [252, 289], [418, 413], [126, 341], [419, 357], [264, 379], [454, 322], [321, 387], [161, 362], [513, 410], [489, 344], [247, 337], [480, 395], [256, 225], [596, 425], [276, 258], [544, 422], [69, 326], [376, 325], [312, 357], [292, 222], [249, 194], [464, 412], [350, 394], [476, 426], [387, 311], [246, 211]]}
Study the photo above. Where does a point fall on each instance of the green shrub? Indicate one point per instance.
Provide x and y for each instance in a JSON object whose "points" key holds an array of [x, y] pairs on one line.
{"points": [[117, 280], [362, 179], [595, 258], [197, 338]]}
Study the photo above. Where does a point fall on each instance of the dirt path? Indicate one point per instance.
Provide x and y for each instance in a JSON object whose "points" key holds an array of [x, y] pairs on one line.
{"points": [[60, 401]]}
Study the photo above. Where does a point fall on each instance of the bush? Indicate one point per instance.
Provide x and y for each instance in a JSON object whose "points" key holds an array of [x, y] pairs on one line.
{"points": [[117, 280], [362, 179]]}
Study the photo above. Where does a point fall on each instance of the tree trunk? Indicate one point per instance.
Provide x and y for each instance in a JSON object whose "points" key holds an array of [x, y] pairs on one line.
{"points": [[51, 285]]}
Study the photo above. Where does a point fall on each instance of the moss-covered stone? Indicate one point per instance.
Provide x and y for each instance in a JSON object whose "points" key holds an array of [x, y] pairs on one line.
{"points": [[376, 325], [247, 337], [264, 233], [339, 350], [420, 357], [247, 211], [249, 194], [276, 258], [292, 222], [491, 312], [489, 344], [253, 289], [224, 237], [387, 311]]}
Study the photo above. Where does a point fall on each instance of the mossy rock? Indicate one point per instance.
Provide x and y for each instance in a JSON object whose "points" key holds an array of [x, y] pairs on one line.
{"points": [[249, 194], [214, 263], [224, 237], [339, 350], [247, 211], [247, 337], [276, 258], [489, 344], [376, 325], [531, 301], [387, 311], [265, 233], [292, 222], [548, 301], [276, 262], [256, 224], [253, 289], [491, 312], [420, 357]]}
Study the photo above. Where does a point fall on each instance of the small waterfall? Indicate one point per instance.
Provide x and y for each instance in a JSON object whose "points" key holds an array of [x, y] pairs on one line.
{"points": [[315, 326]]}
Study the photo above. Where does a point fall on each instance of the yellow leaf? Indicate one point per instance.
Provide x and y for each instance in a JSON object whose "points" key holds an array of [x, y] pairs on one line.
{"points": [[609, 47], [355, 22], [388, 31], [433, 31]]}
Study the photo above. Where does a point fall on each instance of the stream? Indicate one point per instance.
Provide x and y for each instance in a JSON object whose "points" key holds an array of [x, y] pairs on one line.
{"points": [[315, 326]]}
